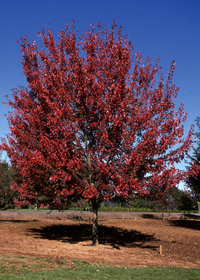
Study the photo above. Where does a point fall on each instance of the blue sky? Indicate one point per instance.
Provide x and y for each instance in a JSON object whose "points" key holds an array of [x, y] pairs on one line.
{"points": [[166, 28]]}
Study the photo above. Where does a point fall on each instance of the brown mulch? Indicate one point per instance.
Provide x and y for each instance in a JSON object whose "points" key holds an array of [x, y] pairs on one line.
{"points": [[133, 241]]}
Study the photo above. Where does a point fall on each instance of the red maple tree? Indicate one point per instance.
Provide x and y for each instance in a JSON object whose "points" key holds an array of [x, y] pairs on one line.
{"points": [[93, 122]]}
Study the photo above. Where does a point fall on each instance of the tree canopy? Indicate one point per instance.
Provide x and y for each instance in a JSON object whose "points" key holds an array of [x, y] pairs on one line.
{"points": [[93, 121]]}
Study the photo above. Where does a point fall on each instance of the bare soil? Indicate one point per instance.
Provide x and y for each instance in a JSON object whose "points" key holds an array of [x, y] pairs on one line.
{"points": [[124, 240]]}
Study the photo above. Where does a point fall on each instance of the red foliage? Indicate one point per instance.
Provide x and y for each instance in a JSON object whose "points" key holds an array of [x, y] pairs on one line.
{"points": [[93, 121]]}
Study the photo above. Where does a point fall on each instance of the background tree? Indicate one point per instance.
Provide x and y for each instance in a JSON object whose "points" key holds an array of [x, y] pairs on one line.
{"points": [[7, 196], [93, 122], [176, 199], [193, 179]]}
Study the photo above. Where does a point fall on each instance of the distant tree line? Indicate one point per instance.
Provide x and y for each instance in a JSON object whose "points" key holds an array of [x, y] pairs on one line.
{"points": [[7, 196], [193, 168]]}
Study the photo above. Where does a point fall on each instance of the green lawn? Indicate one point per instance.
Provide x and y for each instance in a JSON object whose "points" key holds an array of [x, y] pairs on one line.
{"points": [[12, 267]]}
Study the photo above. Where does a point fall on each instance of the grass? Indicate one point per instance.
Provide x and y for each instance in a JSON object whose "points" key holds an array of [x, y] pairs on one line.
{"points": [[108, 209], [21, 267], [141, 209]]}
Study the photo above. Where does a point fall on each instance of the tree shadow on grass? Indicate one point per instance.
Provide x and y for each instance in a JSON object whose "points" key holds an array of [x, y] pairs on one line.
{"points": [[192, 224], [149, 216], [18, 221], [108, 235]]}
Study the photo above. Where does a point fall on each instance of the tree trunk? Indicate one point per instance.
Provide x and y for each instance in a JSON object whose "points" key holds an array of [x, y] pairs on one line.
{"points": [[95, 224]]}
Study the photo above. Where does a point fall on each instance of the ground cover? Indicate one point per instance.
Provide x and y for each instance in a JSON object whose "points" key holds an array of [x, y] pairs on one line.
{"points": [[36, 268], [126, 241]]}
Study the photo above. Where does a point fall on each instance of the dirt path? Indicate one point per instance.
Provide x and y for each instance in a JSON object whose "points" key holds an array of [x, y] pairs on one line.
{"points": [[123, 242]]}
